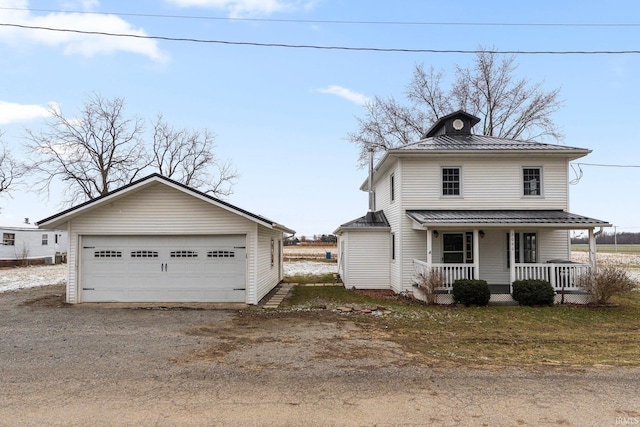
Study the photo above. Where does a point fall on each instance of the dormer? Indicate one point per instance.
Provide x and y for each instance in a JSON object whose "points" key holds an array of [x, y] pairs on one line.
{"points": [[458, 123]]}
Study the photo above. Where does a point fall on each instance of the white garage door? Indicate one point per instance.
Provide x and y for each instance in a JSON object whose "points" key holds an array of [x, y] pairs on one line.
{"points": [[163, 268]]}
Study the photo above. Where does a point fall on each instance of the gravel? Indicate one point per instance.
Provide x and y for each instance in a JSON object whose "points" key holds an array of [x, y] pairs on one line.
{"points": [[84, 365]]}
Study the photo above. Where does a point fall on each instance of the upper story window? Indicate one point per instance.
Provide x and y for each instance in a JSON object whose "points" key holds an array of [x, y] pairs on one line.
{"points": [[531, 179], [392, 189], [450, 181]]}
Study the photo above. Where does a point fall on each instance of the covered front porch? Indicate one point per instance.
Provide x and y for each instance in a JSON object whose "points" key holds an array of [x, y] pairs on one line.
{"points": [[502, 247]]}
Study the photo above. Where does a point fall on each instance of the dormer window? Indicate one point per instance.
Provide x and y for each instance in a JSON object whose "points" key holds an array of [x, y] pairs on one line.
{"points": [[455, 124], [531, 178]]}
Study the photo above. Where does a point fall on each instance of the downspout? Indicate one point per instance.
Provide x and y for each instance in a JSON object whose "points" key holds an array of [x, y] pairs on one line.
{"points": [[370, 216]]}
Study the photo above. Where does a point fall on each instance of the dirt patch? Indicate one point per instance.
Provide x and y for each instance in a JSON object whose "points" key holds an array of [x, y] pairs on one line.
{"points": [[54, 297]]}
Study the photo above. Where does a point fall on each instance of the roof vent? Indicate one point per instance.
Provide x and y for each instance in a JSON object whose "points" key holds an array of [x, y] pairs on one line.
{"points": [[26, 220], [458, 123]]}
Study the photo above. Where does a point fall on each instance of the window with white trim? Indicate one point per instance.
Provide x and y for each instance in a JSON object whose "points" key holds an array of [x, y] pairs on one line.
{"points": [[532, 181], [221, 254], [183, 254], [144, 254], [450, 181], [45, 240], [107, 254], [392, 189], [8, 239], [393, 246]]}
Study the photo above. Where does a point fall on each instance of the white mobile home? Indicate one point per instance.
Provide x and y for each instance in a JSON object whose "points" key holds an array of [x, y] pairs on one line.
{"points": [[25, 244]]}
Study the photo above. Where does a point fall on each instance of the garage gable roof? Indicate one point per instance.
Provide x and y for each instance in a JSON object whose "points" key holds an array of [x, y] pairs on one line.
{"points": [[64, 216]]}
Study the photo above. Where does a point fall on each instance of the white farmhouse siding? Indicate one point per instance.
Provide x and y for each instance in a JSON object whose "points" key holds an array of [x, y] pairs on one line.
{"points": [[493, 199], [393, 212], [500, 189], [366, 261], [157, 206]]}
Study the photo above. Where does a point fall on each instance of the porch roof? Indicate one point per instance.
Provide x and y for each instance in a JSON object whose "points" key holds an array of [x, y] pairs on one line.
{"points": [[501, 218], [372, 221]]}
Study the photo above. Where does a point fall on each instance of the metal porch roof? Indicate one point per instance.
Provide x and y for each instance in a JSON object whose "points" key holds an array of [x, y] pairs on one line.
{"points": [[379, 220], [541, 218]]}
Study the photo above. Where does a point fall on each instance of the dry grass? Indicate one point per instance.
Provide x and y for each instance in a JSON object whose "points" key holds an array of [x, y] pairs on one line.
{"points": [[502, 336]]}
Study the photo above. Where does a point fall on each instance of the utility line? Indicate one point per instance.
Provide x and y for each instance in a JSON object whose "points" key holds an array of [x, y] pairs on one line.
{"points": [[342, 22], [321, 47], [606, 165]]}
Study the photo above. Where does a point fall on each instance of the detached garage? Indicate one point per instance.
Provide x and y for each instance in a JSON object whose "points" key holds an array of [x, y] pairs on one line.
{"points": [[157, 240]]}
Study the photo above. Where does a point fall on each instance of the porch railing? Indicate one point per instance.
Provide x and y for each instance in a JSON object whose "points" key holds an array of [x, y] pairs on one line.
{"points": [[450, 272], [561, 276]]}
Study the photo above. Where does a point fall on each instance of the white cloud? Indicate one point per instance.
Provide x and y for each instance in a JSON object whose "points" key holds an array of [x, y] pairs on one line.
{"points": [[75, 43], [10, 112], [345, 93], [239, 8]]}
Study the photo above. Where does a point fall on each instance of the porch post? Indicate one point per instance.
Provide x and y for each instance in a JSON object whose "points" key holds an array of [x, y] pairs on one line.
{"points": [[429, 247], [512, 259], [592, 249], [476, 254]]}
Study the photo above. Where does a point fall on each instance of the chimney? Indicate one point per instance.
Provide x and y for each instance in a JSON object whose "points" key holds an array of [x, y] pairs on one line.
{"points": [[370, 215]]}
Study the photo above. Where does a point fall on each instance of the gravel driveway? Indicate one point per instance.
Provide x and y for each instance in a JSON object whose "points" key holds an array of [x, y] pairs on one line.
{"points": [[69, 366]]}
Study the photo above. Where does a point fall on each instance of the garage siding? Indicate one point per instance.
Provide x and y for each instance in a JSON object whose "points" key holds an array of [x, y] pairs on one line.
{"points": [[268, 273], [158, 209]]}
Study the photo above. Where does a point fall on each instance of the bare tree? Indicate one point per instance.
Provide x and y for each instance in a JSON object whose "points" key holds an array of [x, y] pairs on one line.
{"points": [[508, 107], [92, 154], [189, 157], [11, 170]]}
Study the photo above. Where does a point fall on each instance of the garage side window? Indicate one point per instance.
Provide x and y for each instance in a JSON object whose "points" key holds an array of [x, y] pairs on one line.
{"points": [[184, 254], [107, 254], [273, 252], [144, 254], [221, 254]]}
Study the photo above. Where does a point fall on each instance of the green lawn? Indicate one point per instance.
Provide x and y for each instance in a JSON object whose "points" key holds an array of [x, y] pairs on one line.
{"points": [[630, 249], [507, 336]]}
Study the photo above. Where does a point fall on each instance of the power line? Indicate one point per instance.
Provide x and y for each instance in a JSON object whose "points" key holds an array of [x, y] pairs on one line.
{"points": [[342, 22], [321, 47], [607, 165]]}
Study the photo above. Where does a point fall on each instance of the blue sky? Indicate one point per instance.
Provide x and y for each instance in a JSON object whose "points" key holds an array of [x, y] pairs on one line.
{"points": [[282, 115]]}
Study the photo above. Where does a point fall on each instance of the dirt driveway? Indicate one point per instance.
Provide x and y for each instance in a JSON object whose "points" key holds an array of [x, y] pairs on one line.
{"points": [[86, 366]]}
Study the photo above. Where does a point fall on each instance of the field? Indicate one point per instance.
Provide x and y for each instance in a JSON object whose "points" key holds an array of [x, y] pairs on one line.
{"points": [[624, 249]]}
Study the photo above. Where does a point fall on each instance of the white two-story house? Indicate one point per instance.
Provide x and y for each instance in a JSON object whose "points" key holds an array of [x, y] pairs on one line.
{"points": [[471, 207]]}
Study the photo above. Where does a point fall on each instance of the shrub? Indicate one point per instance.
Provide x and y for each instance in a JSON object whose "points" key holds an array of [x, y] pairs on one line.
{"points": [[471, 292], [533, 292], [429, 282], [606, 282]]}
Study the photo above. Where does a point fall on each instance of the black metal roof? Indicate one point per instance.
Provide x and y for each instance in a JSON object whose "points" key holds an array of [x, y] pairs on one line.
{"points": [[503, 217], [157, 176], [374, 219], [482, 143]]}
